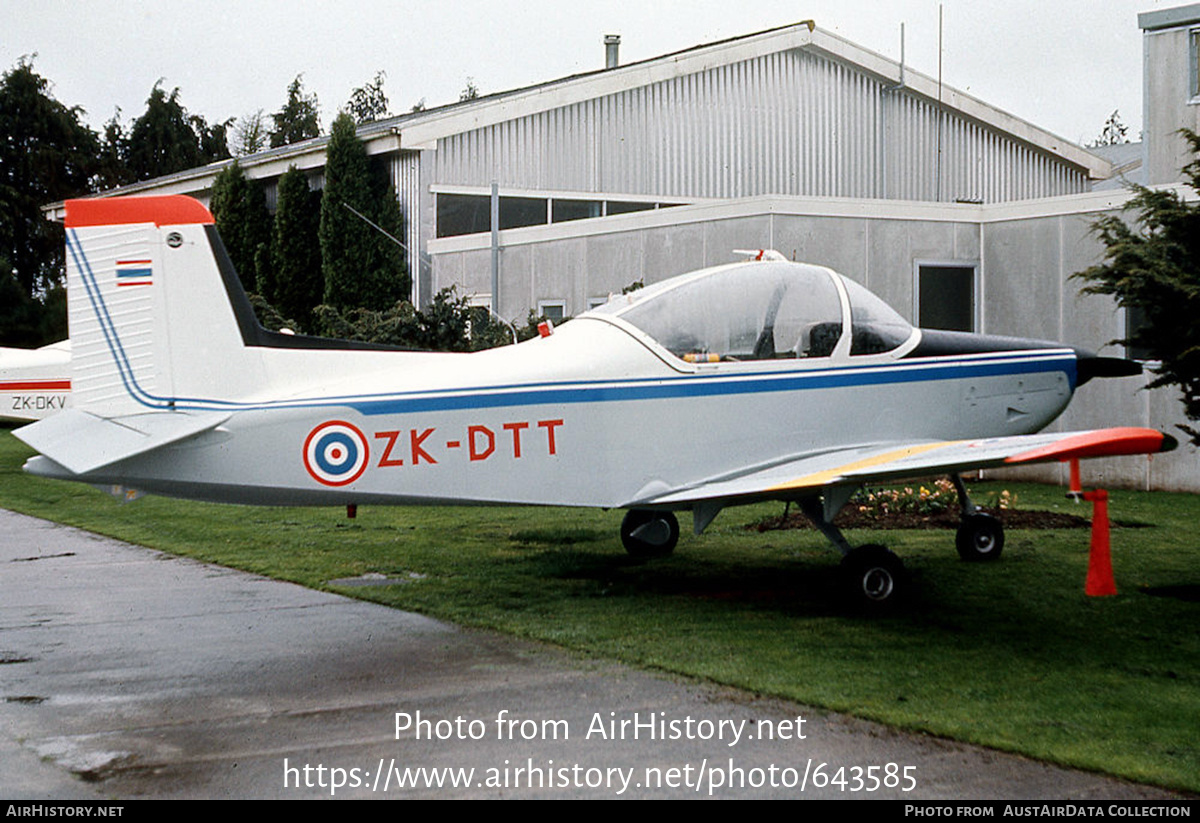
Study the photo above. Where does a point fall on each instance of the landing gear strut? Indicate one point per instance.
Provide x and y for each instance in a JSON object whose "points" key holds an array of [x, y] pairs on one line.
{"points": [[981, 536]]}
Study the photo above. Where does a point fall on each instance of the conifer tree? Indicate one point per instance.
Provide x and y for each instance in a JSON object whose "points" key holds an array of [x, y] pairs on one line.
{"points": [[46, 154], [250, 134], [368, 103], [299, 119], [161, 141], [299, 285], [362, 267], [240, 210]]}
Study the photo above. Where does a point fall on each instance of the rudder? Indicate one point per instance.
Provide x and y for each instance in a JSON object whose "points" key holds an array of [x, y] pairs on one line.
{"points": [[151, 321]]}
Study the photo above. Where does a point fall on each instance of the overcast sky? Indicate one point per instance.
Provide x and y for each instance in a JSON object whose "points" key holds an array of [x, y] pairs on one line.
{"points": [[1064, 65]]}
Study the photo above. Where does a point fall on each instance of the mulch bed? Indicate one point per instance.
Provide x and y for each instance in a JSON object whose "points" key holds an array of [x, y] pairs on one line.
{"points": [[851, 518]]}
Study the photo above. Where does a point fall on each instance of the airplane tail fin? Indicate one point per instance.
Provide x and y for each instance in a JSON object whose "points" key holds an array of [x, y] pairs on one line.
{"points": [[153, 308]]}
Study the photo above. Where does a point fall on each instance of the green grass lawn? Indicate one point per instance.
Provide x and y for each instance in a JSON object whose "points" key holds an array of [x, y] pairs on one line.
{"points": [[1010, 654]]}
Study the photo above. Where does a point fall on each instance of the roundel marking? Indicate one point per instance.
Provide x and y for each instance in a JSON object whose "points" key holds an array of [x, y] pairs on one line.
{"points": [[336, 453]]}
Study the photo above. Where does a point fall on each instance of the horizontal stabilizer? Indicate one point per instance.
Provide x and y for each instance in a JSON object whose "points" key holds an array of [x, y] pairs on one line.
{"points": [[84, 442]]}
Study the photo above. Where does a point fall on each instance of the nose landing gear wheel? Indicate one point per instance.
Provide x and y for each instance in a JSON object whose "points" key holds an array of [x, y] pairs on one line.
{"points": [[646, 533]]}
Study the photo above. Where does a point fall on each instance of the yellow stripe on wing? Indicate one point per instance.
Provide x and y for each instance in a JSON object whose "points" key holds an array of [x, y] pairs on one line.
{"points": [[828, 476]]}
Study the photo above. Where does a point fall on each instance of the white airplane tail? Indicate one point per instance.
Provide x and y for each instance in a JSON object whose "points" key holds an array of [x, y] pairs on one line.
{"points": [[151, 300], [159, 328]]}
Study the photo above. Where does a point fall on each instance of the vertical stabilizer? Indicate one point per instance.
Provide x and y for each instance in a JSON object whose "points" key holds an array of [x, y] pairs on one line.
{"points": [[152, 326]]}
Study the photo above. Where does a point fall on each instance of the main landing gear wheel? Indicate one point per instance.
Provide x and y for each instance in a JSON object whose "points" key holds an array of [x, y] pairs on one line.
{"points": [[646, 533], [980, 537], [874, 577]]}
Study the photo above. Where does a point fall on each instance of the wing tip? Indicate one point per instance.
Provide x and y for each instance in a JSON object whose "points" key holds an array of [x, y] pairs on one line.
{"points": [[1114, 442]]}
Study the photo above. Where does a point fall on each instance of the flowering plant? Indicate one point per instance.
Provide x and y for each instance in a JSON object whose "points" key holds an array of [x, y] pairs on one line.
{"points": [[920, 500]]}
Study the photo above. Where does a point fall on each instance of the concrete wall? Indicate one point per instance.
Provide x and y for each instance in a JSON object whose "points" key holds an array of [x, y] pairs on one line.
{"points": [[1028, 268], [1167, 100], [593, 258]]}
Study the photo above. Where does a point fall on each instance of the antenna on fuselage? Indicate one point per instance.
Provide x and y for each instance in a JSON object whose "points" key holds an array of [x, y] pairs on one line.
{"points": [[760, 254]]}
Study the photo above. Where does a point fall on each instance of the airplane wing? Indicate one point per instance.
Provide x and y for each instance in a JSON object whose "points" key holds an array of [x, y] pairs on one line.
{"points": [[84, 442], [886, 461]]}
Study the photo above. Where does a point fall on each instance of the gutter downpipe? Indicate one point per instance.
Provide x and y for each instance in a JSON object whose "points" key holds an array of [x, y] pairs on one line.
{"points": [[495, 248]]}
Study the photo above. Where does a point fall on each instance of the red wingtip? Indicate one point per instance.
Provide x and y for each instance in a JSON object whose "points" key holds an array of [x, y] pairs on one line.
{"points": [[163, 210], [1102, 443]]}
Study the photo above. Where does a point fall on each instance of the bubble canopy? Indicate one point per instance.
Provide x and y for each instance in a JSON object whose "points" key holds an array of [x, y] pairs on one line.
{"points": [[757, 311]]}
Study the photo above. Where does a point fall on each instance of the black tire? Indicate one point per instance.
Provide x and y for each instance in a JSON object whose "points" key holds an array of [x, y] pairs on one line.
{"points": [[874, 578], [646, 533], [979, 538]]}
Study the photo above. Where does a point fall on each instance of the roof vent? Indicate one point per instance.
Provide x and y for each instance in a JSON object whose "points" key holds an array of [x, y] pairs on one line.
{"points": [[612, 45]]}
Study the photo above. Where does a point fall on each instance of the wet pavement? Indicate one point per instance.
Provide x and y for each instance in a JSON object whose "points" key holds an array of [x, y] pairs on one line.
{"points": [[129, 673]]}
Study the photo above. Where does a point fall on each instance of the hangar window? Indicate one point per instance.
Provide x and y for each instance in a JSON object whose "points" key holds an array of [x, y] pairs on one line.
{"points": [[516, 212], [472, 213], [563, 210], [463, 214], [946, 296], [627, 206], [1135, 321], [552, 310], [1194, 64]]}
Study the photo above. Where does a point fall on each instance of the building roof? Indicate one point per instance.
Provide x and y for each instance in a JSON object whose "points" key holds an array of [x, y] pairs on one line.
{"points": [[421, 130], [1128, 168], [1169, 18]]}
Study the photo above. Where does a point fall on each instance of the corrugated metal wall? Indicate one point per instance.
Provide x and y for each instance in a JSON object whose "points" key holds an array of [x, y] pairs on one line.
{"points": [[406, 179], [784, 123]]}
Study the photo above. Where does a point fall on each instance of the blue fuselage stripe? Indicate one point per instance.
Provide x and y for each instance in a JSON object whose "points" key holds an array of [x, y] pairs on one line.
{"points": [[714, 386]]}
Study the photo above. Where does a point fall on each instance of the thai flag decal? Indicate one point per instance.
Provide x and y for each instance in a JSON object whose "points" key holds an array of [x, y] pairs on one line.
{"points": [[134, 273]]}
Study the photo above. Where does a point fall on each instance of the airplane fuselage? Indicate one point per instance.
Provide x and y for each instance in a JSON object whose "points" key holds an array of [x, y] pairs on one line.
{"points": [[592, 415]]}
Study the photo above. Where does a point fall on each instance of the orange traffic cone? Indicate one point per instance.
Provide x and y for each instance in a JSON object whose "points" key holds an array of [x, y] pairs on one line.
{"points": [[1100, 581]]}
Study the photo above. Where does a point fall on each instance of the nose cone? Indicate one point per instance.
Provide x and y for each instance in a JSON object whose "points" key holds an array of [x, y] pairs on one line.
{"points": [[1089, 365]]}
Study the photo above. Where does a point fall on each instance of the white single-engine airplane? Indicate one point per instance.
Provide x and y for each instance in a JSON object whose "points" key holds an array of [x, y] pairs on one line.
{"points": [[759, 380]]}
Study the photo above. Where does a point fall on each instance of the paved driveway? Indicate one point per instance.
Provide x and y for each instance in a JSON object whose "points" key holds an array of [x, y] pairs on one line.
{"points": [[125, 672]]}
